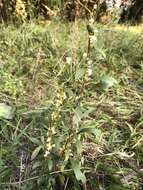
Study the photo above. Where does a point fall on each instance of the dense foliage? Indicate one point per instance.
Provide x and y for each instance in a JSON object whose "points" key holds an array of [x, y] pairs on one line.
{"points": [[71, 95], [100, 10], [70, 115]]}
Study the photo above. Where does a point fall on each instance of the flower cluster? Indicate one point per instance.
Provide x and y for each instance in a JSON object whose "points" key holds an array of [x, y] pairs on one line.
{"points": [[61, 96], [92, 32], [20, 9], [66, 150], [49, 142], [54, 116], [89, 69], [68, 60], [93, 39]]}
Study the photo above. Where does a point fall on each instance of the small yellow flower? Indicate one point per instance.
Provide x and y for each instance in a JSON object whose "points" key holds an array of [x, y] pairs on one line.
{"points": [[49, 139], [93, 39], [20, 9], [49, 146], [89, 72], [53, 130], [85, 55], [54, 115], [53, 145], [58, 102], [46, 154], [68, 60], [95, 6], [89, 62]]}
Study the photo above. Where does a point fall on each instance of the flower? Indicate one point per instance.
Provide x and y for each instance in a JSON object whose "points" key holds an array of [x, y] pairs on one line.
{"points": [[49, 142], [93, 38], [49, 146], [46, 153], [68, 60], [95, 6], [54, 115], [53, 130], [89, 72], [89, 62], [20, 9], [85, 55], [53, 145], [48, 139], [95, 30]]}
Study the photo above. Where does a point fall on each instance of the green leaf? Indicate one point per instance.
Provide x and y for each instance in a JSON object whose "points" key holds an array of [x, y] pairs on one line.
{"points": [[91, 130], [36, 165], [6, 112], [81, 113], [36, 152], [35, 111], [35, 140], [107, 82], [61, 179], [77, 171], [78, 146], [79, 73], [117, 187], [102, 53], [78, 115], [50, 164], [70, 92]]}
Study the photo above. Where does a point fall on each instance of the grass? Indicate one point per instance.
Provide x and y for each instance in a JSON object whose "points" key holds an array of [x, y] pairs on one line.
{"points": [[83, 129], [132, 29]]}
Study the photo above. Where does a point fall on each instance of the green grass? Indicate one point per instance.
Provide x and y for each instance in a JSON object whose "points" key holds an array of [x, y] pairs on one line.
{"points": [[96, 133]]}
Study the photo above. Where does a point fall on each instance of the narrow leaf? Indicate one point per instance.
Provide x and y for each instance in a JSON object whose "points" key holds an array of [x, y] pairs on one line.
{"points": [[90, 130], [6, 112], [79, 73], [36, 152], [77, 171], [79, 147], [107, 82]]}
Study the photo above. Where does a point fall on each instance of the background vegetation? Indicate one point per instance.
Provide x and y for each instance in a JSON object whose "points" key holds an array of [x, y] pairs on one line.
{"points": [[101, 10], [82, 126], [71, 97]]}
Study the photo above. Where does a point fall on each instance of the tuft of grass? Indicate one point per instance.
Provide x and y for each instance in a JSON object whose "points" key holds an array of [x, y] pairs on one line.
{"points": [[91, 137]]}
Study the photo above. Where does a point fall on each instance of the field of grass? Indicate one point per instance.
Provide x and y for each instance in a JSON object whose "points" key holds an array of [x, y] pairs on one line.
{"points": [[76, 122], [133, 29]]}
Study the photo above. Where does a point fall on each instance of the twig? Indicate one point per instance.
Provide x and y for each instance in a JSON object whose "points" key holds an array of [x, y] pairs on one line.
{"points": [[36, 177], [66, 183], [85, 186], [85, 7]]}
